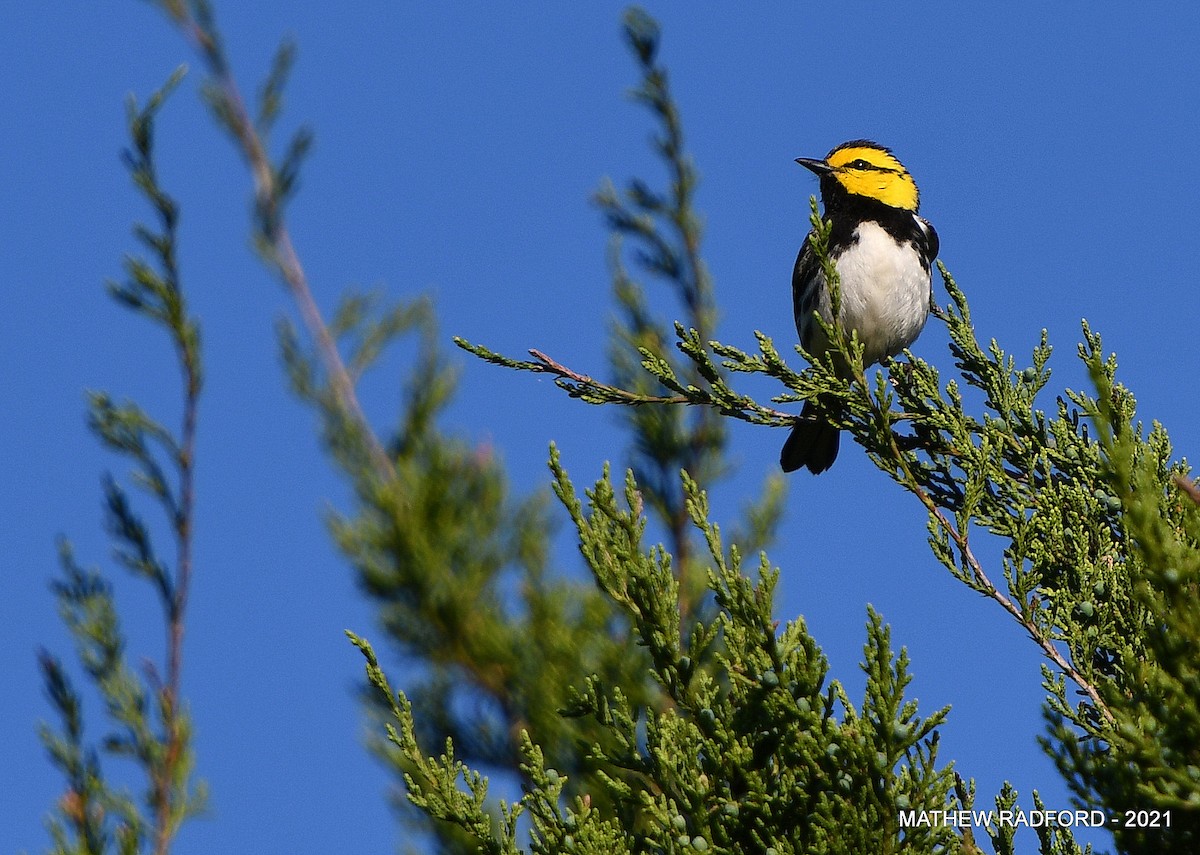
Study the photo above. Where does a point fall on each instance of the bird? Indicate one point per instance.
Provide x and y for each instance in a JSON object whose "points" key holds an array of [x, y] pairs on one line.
{"points": [[883, 252]]}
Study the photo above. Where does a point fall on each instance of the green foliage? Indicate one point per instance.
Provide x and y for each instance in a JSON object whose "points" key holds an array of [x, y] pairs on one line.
{"points": [[662, 708], [460, 569], [150, 725], [1099, 540], [761, 753], [1098, 536], [1148, 757], [665, 236], [460, 572]]}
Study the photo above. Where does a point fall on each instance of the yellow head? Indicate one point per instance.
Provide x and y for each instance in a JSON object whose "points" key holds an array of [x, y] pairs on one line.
{"points": [[865, 168]]}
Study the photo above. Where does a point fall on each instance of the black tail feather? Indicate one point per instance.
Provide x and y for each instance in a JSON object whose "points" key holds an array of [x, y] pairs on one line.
{"points": [[812, 444]]}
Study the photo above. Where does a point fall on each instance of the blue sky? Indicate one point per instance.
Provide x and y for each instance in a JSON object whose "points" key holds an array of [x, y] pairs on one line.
{"points": [[457, 147]]}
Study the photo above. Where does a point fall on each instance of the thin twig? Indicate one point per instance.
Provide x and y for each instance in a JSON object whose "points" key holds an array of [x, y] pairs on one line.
{"points": [[699, 397], [177, 608], [283, 251], [990, 590], [1189, 487], [551, 366]]}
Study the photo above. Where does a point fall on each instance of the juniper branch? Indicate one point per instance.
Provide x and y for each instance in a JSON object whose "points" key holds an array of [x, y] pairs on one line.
{"points": [[151, 723], [719, 396], [984, 585], [938, 483], [274, 183], [185, 335]]}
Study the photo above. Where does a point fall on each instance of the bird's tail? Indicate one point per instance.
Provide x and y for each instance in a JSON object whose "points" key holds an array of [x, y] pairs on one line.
{"points": [[813, 443]]}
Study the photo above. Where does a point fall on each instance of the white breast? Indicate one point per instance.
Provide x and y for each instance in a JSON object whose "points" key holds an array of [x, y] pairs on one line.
{"points": [[885, 292]]}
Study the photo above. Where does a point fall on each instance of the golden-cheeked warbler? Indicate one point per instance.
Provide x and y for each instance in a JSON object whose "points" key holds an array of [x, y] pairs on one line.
{"points": [[883, 253]]}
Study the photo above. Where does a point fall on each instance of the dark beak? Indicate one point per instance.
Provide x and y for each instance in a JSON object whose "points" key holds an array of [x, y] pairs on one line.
{"points": [[818, 166]]}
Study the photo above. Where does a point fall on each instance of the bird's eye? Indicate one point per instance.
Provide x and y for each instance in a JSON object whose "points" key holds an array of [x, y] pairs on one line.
{"points": [[859, 164]]}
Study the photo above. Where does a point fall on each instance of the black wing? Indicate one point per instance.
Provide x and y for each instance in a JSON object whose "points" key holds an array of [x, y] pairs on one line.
{"points": [[807, 282], [928, 243]]}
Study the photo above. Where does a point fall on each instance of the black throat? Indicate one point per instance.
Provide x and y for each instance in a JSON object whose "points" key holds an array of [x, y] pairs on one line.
{"points": [[847, 210]]}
